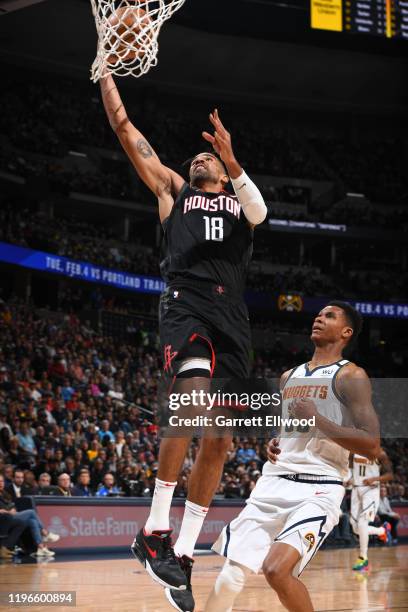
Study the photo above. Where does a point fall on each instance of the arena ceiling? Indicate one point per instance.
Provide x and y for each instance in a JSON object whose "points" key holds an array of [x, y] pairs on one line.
{"points": [[59, 36], [8, 6]]}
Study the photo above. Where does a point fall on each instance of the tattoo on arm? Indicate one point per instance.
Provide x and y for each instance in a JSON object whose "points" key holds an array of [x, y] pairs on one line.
{"points": [[144, 148]]}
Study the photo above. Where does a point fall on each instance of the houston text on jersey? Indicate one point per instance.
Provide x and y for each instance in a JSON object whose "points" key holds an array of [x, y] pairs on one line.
{"points": [[222, 203]]}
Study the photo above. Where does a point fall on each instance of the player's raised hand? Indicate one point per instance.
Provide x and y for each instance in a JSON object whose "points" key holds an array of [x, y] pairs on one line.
{"points": [[273, 450], [221, 139]]}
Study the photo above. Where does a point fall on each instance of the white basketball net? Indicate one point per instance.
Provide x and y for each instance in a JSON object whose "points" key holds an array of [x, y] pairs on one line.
{"points": [[128, 33]]}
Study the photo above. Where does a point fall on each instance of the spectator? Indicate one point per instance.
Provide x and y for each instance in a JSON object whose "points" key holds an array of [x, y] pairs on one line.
{"points": [[26, 519], [70, 467], [40, 439], [97, 473], [232, 487], [30, 484], [105, 432], [120, 442], [3, 420], [67, 391], [64, 485], [14, 452], [386, 513], [8, 473], [108, 486], [44, 481], [26, 440], [11, 526], [399, 495], [82, 487], [246, 453], [18, 487]]}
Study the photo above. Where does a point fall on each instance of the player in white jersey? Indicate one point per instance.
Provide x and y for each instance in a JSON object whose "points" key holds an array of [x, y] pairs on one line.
{"points": [[296, 502], [365, 497]]}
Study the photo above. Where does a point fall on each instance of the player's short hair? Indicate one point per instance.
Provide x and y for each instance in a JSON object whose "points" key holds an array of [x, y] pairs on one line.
{"points": [[353, 317]]}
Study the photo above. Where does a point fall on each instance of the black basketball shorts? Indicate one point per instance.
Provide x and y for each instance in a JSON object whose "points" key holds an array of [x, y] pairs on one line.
{"points": [[202, 319]]}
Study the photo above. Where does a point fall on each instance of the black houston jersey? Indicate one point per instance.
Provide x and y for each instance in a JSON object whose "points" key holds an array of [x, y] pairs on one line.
{"points": [[206, 237]]}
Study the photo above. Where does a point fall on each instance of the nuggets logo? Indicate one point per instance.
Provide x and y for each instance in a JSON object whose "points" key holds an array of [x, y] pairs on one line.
{"points": [[290, 303], [310, 537], [319, 391]]}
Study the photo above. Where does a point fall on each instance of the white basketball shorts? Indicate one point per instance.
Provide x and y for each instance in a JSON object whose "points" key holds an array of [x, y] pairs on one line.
{"points": [[279, 510], [364, 503]]}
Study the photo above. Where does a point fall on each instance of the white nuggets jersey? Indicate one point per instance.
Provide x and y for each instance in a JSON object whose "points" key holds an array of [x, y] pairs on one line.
{"points": [[364, 468], [305, 450]]}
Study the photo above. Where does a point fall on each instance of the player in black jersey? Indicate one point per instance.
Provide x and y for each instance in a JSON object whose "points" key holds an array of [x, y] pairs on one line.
{"points": [[204, 325]]}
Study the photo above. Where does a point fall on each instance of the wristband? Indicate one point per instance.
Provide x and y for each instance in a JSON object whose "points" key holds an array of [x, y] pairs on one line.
{"points": [[250, 198]]}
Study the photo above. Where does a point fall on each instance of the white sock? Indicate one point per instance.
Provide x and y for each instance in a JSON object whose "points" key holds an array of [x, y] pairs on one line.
{"points": [[230, 582], [160, 508], [191, 525], [378, 531], [363, 535]]}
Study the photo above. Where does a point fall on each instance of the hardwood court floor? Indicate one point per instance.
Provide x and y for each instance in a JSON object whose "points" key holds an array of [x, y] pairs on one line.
{"points": [[122, 586]]}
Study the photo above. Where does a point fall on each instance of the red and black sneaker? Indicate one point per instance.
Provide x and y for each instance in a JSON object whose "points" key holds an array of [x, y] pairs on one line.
{"points": [[156, 553], [183, 600]]}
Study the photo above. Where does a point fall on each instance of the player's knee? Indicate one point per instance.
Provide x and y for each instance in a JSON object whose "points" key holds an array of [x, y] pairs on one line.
{"points": [[275, 574]]}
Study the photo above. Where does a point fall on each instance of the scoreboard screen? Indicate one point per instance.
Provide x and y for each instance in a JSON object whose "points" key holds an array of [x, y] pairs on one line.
{"points": [[388, 18]]}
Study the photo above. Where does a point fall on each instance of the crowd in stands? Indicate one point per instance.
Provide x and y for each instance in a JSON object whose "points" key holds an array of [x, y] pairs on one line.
{"points": [[76, 239], [121, 183], [62, 180], [78, 411], [47, 120], [305, 281], [375, 168], [350, 213], [363, 284], [79, 417], [345, 212], [67, 117], [77, 404], [50, 119]]}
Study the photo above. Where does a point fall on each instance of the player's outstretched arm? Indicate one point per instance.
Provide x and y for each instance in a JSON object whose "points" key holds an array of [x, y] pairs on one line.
{"points": [[247, 192], [354, 387], [162, 181]]}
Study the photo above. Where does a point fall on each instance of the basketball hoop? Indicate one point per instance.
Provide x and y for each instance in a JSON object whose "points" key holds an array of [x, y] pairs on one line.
{"points": [[128, 32]]}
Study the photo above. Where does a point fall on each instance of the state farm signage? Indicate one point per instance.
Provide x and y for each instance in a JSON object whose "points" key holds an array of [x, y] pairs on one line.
{"points": [[402, 528], [104, 526]]}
